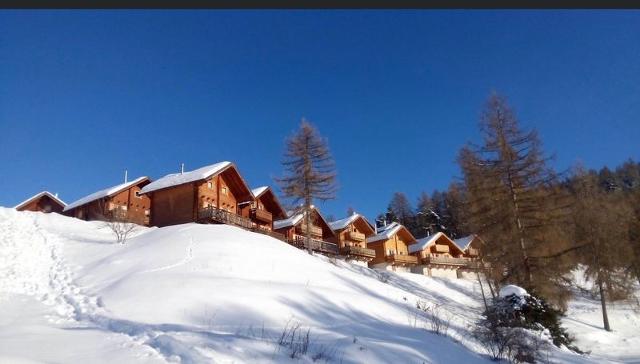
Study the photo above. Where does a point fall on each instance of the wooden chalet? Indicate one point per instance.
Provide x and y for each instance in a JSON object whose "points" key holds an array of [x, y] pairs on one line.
{"points": [[391, 245], [122, 202], [264, 209], [294, 230], [211, 194], [350, 236], [439, 255], [44, 201], [470, 246]]}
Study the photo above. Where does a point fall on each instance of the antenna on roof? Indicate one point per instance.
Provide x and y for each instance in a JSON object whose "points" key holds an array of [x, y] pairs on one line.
{"points": [[126, 173], [181, 168]]}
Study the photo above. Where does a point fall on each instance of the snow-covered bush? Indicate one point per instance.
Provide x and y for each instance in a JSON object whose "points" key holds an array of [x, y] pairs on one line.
{"points": [[518, 326]]}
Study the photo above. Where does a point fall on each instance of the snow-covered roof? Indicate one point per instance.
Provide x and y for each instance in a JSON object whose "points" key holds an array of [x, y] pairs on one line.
{"points": [[431, 239], [176, 179], [463, 243], [425, 242], [38, 195], [343, 223], [385, 232], [104, 193], [259, 191], [291, 221]]}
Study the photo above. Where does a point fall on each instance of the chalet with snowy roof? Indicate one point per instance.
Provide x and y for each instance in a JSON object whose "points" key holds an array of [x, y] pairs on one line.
{"points": [[350, 236], [215, 193], [294, 230], [123, 202], [391, 245], [43, 201], [264, 209], [438, 255], [470, 245]]}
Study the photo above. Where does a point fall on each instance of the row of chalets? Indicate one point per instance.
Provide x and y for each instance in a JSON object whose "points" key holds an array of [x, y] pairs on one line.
{"points": [[219, 194]]}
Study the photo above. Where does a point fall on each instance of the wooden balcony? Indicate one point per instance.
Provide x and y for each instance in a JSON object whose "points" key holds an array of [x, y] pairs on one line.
{"points": [[355, 236], [440, 248], [442, 260], [315, 245], [315, 230], [358, 252], [215, 214], [473, 252], [401, 259], [261, 215]]}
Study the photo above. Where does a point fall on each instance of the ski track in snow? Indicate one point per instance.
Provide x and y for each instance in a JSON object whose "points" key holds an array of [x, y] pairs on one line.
{"points": [[69, 302]]}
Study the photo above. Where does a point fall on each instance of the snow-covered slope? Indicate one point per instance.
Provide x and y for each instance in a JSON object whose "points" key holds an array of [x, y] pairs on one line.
{"points": [[203, 293]]}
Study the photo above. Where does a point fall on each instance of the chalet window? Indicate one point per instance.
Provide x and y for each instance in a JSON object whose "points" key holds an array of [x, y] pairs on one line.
{"points": [[138, 195], [146, 213], [210, 185], [224, 191]]}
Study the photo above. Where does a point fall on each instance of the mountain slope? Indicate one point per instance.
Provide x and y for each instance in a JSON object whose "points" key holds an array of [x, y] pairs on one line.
{"points": [[212, 293]]}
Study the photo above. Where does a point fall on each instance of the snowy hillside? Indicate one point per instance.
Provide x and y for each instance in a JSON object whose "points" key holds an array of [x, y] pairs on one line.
{"points": [[203, 293]]}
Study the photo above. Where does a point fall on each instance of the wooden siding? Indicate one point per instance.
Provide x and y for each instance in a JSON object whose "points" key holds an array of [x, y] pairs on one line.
{"points": [[173, 206], [397, 245]]}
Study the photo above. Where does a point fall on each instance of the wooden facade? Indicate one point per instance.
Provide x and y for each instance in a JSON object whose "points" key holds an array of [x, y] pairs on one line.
{"points": [[351, 235], [264, 209], [216, 197], [42, 202], [294, 231], [122, 202], [391, 246]]}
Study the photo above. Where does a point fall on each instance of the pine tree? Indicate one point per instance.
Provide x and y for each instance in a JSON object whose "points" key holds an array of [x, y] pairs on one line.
{"points": [[309, 171], [515, 204], [602, 225], [425, 220]]}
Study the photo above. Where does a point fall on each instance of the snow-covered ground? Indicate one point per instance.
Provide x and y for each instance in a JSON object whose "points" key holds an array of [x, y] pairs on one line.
{"points": [[212, 293]]}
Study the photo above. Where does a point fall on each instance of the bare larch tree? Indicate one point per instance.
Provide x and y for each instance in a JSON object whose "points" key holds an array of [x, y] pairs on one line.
{"points": [[309, 172]]}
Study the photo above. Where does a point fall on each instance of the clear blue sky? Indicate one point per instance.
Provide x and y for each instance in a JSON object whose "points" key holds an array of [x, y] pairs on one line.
{"points": [[86, 94]]}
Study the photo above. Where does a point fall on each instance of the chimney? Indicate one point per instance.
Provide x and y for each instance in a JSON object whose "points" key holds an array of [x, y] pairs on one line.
{"points": [[181, 168], [126, 173]]}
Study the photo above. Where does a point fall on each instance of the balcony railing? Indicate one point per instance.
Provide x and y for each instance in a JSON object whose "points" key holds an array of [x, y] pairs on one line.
{"points": [[473, 252], [314, 244], [358, 251], [402, 259], [355, 236], [434, 259], [440, 248], [315, 230], [225, 217], [262, 215], [272, 234]]}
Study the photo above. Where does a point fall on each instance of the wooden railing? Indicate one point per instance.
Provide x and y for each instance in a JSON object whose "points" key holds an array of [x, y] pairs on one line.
{"points": [[261, 215], [314, 244], [402, 259], [225, 217], [473, 252], [358, 251], [440, 248], [355, 236], [431, 259], [272, 234], [315, 230]]}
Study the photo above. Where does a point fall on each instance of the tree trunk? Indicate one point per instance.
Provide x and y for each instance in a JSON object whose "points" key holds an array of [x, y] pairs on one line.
{"points": [[307, 223], [484, 299], [605, 317]]}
